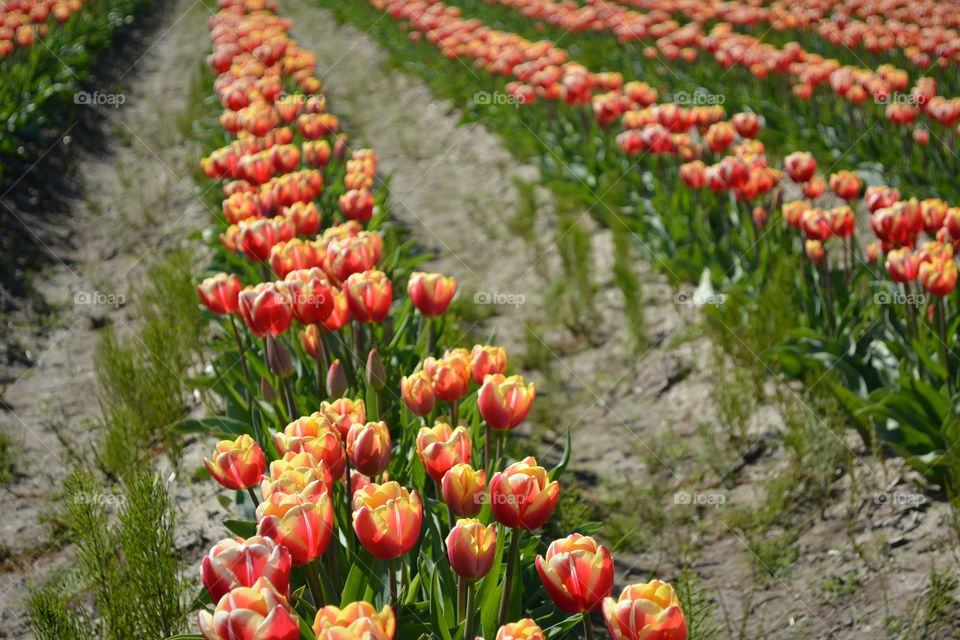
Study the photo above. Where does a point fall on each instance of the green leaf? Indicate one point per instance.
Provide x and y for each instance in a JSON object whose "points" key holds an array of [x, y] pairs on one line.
{"points": [[216, 425], [558, 470], [242, 528]]}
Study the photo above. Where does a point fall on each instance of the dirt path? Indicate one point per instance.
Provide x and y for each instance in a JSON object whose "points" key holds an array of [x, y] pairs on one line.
{"points": [[858, 568], [136, 200]]}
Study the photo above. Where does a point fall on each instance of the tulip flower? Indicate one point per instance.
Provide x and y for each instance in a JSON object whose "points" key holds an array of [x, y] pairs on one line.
{"points": [[343, 413], [416, 391], [356, 204], [237, 464], [938, 276], [486, 360], [250, 613], [814, 250], [349, 254], [235, 562], [310, 295], [317, 436], [522, 495], [814, 188], [220, 293], [577, 573], [747, 124], [525, 629], [356, 621], [266, 308], [903, 264], [369, 295], [431, 293], [256, 238], [645, 611], [293, 255], [340, 315], [368, 446], [387, 519], [303, 526], [441, 447], [464, 489], [800, 166], [879, 197], [299, 473], [505, 402], [846, 184], [471, 548], [312, 343], [449, 376]]}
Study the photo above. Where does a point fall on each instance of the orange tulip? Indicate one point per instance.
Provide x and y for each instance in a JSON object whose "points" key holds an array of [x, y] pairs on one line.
{"points": [[340, 315], [317, 436], [431, 293], [237, 464], [266, 308], [236, 562], [303, 526], [369, 295], [464, 489], [356, 204], [485, 360], [800, 166], [356, 621], [368, 446], [220, 293], [450, 376], [310, 295], [814, 250], [299, 473], [903, 264], [846, 184], [471, 548], [522, 496], [879, 197], [387, 519], [504, 402], [257, 237], [441, 447], [645, 611], [577, 573], [525, 629], [416, 391], [938, 276], [343, 413], [312, 344], [251, 613]]}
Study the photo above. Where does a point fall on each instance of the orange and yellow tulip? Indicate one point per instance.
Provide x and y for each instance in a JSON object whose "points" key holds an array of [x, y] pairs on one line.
{"points": [[416, 391], [387, 519], [369, 295], [525, 629], [237, 464], [236, 562], [317, 436], [522, 495], [464, 489], [645, 611], [220, 293], [368, 446], [577, 573], [356, 621], [431, 293], [471, 548], [266, 309], [441, 447], [450, 376], [505, 402], [250, 613], [486, 360], [303, 526]]}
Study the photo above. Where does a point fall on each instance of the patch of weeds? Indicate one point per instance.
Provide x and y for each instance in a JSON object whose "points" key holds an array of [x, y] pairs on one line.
{"points": [[845, 584], [714, 453], [664, 452], [572, 512], [767, 530], [699, 606], [537, 356], [125, 560], [8, 454], [734, 395], [139, 373], [935, 612], [638, 516], [625, 278]]}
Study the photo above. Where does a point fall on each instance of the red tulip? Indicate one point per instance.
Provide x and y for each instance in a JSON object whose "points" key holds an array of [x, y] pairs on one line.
{"points": [[220, 293], [471, 548], [450, 376], [368, 446], [431, 293], [266, 308], [522, 495], [939, 276], [486, 360], [505, 402], [369, 295], [800, 166], [250, 613], [648, 611], [236, 562], [464, 489], [356, 204], [356, 621], [441, 447], [903, 264], [237, 464], [303, 526], [310, 295], [846, 184], [387, 519], [343, 413], [577, 573], [416, 391], [314, 435]]}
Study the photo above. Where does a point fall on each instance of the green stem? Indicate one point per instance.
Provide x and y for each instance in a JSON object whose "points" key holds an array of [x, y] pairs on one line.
{"points": [[253, 496], [288, 396], [488, 443], [392, 568], [944, 352], [469, 614], [587, 627], [310, 570], [242, 350], [508, 579], [454, 413], [461, 598]]}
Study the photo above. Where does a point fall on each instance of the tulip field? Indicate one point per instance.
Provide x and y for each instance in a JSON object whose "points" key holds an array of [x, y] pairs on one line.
{"points": [[480, 319]]}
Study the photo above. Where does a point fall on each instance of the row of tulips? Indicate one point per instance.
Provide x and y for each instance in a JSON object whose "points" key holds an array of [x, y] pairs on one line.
{"points": [[23, 21], [353, 446], [737, 242]]}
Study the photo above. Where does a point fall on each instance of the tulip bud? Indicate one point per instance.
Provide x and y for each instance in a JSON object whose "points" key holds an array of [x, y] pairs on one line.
{"points": [[278, 360], [368, 446], [760, 217], [387, 519], [522, 495], [471, 548], [577, 573], [267, 392], [237, 464], [312, 343], [814, 251], [356, 620], [236, 562], [504, 402], [336, 380], [645, 611], [874, 252], [376, 376], [250, 613]]}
